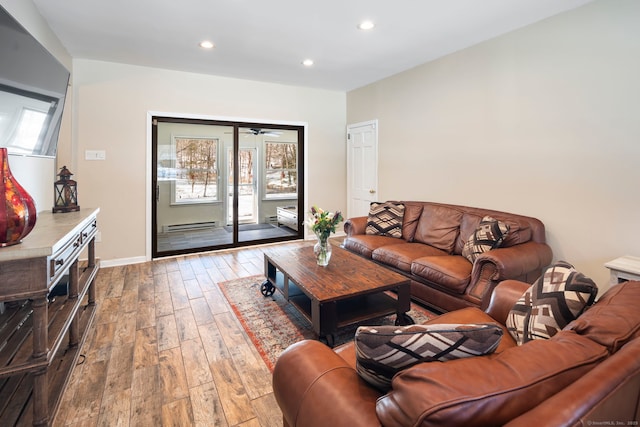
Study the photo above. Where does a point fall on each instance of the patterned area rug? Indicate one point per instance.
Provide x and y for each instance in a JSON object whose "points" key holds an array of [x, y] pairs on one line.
{"points": [[273, 324]]}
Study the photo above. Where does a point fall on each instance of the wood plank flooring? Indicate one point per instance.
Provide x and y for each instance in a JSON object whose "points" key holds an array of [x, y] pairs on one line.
{"points": [[166, 349]]}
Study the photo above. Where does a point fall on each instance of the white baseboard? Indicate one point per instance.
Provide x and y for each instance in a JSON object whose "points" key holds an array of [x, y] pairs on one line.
{"points": [[122, 261], [140, 259]]}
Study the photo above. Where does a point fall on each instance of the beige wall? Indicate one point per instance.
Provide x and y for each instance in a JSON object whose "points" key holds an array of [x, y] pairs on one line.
{"points": [[543, 121], [111, 103]]}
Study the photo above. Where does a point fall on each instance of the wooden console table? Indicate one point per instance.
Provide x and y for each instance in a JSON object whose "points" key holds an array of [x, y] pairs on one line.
{"points": [[40, 337]]}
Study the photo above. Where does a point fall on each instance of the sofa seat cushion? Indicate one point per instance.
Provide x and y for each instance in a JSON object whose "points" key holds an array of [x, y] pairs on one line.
{"points": [[452, 272], [438, 227], [365, 244], [488, 390], [614, 320], [402, 255], [474, 315]]}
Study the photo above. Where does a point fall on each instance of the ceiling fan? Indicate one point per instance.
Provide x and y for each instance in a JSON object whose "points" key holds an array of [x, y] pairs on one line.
{"points": [[265, 132], [258, 131]]}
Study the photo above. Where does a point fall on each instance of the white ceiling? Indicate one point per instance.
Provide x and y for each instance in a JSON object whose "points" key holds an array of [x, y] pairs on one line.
{"points": [[266, 40]]}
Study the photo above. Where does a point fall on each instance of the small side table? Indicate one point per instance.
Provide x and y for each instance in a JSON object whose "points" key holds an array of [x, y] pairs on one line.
{"points": [[623, 269]]}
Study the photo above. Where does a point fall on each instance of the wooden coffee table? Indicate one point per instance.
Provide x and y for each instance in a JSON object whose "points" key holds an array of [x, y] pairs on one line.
{"points": [[351, 289]]}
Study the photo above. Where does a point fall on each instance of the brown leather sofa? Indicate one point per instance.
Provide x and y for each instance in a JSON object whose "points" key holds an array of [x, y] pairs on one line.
{"points": [[587, 374], [429, 253]]}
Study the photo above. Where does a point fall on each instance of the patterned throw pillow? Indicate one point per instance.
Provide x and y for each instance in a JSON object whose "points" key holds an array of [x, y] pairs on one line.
{"points": [[558, 297], [385, 219], [489, 235], [382, 351]]}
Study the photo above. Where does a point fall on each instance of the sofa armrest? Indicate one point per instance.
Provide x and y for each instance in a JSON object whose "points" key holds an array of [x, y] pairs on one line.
{"points": [[315, 387], [487, 390], [608, 395], [515, 261], [522, 262], [503, 298], [356, 225]]}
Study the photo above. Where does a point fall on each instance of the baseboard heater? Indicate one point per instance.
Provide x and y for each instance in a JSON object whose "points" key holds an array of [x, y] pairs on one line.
{"points": [[188, 227], [271, 219]]}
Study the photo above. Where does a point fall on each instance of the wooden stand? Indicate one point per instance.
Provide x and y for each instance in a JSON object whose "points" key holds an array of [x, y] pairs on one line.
{"points": [[40, 337], [623, 269]]}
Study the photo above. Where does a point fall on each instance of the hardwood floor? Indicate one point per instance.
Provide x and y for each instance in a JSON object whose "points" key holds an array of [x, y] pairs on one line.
{"points": [[166, 349]]}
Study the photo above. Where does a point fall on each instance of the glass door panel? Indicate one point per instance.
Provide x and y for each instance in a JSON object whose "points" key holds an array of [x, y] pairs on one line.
{"points": [[220, 184], [247, 187], [189, 190]]}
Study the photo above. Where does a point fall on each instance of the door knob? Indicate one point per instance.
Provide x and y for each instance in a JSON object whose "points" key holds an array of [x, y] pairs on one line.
{"points": [[372, 191]]}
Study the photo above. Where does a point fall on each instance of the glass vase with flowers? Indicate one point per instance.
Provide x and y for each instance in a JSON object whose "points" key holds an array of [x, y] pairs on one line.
{"points": [[323, 223]]}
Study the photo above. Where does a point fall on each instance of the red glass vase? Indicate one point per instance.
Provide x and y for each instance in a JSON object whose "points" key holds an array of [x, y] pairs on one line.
{"points": [[17, 209]]}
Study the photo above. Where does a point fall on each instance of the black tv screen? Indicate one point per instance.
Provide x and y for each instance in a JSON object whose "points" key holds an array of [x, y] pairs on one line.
{"points": [[33, 87]]}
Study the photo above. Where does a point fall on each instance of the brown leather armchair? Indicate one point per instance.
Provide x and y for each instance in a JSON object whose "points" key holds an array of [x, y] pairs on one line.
{"points": [[587, 373]]}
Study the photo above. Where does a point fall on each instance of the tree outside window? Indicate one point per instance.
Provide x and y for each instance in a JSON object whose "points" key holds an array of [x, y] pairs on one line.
{"points": [[281, 170], [196, 170]]}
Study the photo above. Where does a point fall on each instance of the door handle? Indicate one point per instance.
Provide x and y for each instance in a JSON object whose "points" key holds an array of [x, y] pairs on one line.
{"points": [[372, 191]]}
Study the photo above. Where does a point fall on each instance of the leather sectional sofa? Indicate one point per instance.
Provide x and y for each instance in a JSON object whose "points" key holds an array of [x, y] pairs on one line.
{"points": [[586, 374], [430, 249]]}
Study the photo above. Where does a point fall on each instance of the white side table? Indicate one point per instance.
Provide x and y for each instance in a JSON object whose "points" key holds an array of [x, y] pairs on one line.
{"points": [[623, 269]]}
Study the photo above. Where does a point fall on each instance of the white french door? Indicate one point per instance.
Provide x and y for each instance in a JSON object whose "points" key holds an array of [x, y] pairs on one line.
{"points": [[362, 167]]}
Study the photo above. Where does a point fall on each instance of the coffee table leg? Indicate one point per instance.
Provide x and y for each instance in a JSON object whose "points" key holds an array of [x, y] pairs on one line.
{"points": [[404, 305], [324, 318], [404, 319], [331, 340]]}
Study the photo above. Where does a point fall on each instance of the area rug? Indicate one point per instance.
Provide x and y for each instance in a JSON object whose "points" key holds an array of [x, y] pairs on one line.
{"points": [[273, 324]]}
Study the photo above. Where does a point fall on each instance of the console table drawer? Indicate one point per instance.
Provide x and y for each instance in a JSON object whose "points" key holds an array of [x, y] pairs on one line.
{"points": [[89, 231], [62, 259]]}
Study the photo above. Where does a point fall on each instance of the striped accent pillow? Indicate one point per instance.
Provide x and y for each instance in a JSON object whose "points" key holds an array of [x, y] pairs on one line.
{"points": [[489, 234], [383, 351], [558, 297], [385, 219]]}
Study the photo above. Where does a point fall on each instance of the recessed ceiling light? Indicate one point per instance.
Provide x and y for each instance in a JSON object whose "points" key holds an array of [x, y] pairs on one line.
{"points": [[366, 25], [206, 44], [307, 62]]}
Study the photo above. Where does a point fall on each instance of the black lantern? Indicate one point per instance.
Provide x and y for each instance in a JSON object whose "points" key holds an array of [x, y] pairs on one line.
{"points": [[65, 192]]}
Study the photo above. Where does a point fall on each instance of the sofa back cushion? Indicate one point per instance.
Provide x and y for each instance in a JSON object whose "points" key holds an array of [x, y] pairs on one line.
{"points": [[614, 319], [438, 226], [488, 390], [412, 212]]}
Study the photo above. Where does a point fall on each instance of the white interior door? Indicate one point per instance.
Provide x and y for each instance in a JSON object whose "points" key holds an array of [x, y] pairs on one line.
{"points": [[362, 167]]}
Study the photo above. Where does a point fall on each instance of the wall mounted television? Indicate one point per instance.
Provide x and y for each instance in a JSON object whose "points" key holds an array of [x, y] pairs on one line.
{"points": [[33, 87]]}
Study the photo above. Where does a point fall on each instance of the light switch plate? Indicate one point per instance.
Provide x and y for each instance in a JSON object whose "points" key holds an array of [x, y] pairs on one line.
{"points": [[95, 155]]}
